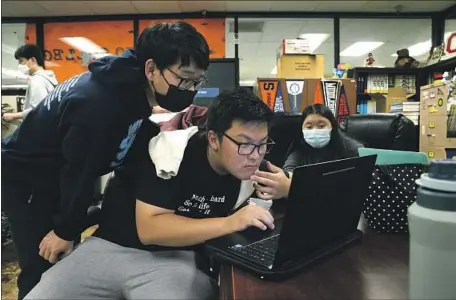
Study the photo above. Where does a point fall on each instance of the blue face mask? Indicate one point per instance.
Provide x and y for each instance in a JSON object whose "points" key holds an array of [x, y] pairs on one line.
{"points": [[317, 138]]}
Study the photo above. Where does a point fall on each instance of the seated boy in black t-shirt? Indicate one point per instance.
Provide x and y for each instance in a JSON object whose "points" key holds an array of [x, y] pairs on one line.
{"points": [[145, 245]]}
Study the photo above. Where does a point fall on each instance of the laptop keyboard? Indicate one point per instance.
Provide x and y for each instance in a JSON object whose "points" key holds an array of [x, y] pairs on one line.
{"points": [[261, 252]]}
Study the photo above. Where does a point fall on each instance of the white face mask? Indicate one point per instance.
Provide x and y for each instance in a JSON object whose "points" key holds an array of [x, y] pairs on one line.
{"points": [[317, 138], [24, 69]]}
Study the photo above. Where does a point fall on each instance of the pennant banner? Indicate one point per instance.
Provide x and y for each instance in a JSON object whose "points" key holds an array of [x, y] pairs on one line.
{"points": [[295, 89], [318, 98], [343, 109], [279, 106], [268, 92], [331, 90]]}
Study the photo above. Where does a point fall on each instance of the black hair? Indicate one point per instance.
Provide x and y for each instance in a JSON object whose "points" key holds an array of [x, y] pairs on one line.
{"points": [[340, 146], [238, 104], [28, 51], [170, 43]]}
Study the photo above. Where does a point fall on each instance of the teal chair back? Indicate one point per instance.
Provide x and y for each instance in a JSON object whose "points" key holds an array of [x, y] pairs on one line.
{"points": [[394, 157]]}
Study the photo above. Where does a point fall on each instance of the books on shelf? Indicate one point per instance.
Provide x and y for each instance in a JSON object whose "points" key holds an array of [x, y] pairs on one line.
{"points": [[410, 109], [372, 83]]}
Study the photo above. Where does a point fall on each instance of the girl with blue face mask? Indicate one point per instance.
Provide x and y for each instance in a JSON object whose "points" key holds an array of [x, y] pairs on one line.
{"points": [[320, 140]]}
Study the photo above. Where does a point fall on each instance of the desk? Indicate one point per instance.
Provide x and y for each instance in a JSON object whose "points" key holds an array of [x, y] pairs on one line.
{"points": [[375, 269]]}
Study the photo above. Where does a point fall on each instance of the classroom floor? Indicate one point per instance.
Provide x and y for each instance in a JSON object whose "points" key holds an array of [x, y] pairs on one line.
{"points": [[10, 268]]}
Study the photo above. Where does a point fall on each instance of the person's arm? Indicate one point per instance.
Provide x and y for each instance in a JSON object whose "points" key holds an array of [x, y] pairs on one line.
{"points": [[36, 92], [293, 160], [83, 150], [157, 224]]}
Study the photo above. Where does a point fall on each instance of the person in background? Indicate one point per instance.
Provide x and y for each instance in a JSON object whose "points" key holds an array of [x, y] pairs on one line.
{"points": [[40, 83], [84, 129], [321, 141], [148, 242]]}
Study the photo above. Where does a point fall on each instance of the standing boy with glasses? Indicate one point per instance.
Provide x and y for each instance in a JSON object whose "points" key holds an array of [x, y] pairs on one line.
{"points": [[148, 242], [84, 129]]}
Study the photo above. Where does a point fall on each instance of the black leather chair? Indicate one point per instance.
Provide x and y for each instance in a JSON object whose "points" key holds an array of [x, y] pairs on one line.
{"points": [[382, 131]]}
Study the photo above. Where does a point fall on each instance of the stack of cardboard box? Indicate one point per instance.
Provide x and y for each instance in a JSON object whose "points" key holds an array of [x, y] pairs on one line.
{"points": [[437, 122]]}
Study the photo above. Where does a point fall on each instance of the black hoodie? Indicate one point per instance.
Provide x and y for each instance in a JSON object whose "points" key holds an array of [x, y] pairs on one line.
{"points": [[80, 131]]}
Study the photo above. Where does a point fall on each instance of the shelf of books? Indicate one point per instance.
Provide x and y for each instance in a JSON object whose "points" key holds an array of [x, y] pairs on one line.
{"points": [[379, 88]]}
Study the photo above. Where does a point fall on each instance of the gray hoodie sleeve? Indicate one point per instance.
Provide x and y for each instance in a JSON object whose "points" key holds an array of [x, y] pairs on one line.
{"points": [[39, 87]]}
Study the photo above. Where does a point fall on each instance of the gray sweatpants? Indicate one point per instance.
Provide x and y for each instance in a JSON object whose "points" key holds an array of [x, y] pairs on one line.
{"points": [[99, 269]]}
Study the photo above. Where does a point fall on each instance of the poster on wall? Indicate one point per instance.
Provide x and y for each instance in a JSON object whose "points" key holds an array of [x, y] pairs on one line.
{"points": [[212, 29]]}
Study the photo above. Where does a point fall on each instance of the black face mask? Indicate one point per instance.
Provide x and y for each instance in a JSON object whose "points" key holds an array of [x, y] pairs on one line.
{"points": [[175, 100]]}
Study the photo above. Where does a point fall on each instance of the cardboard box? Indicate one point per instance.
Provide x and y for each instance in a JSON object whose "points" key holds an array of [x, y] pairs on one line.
{"points": [[394, 95], [433, 132], [439, 152], [437, 117], [433, 100], [294, 46], [301, 66]]}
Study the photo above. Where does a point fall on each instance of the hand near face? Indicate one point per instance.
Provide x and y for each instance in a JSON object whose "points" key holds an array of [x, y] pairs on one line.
{"points": [[271, 185]]}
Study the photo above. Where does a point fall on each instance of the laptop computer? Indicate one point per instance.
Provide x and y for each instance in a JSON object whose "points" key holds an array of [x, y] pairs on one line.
{"points": [[323, 209]]}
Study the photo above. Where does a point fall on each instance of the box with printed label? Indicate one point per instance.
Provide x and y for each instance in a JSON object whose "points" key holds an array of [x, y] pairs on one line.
{"points": [[301, 66]]}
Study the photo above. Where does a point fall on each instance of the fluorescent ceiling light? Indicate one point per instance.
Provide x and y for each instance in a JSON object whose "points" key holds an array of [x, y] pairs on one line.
{"points": [[315, 39], [274, 71], [422, 47], [360, 48], [84, 45], [247, 82]]}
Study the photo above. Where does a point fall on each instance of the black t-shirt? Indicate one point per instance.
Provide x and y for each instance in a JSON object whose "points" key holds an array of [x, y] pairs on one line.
{"points": [[197, 191]]}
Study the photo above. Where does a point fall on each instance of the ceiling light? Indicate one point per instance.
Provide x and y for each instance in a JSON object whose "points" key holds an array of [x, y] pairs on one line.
{"points": [[274, 71], [315, 39], [84, 45], [247, 82], [360, 48]]}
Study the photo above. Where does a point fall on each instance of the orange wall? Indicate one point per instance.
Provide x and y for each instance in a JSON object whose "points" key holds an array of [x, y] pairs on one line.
{"points": [[67, 61], [115, 36], [212, 29], [30, 34]]}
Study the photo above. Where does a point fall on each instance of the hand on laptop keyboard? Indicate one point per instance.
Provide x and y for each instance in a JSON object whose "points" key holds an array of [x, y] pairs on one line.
{"points": [[251, 215]]}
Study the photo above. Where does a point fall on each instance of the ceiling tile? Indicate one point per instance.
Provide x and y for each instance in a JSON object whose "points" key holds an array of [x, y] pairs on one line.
{"points": [[21, 9], [407, 6], [192, 6], [62, 8], [294, 6], [149, 7], [248, 5], [111, 7]]}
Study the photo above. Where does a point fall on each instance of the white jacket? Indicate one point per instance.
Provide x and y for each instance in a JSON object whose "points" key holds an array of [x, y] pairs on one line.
{"points": [[167, 150]]}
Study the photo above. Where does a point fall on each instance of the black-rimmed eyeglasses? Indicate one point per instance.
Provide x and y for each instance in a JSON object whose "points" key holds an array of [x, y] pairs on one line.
{"points": [[186, 83], [248, 148]]}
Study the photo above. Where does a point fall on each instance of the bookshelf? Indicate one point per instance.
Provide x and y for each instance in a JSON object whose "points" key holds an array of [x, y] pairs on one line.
{"points": [[373, 84], [428, 72]]}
